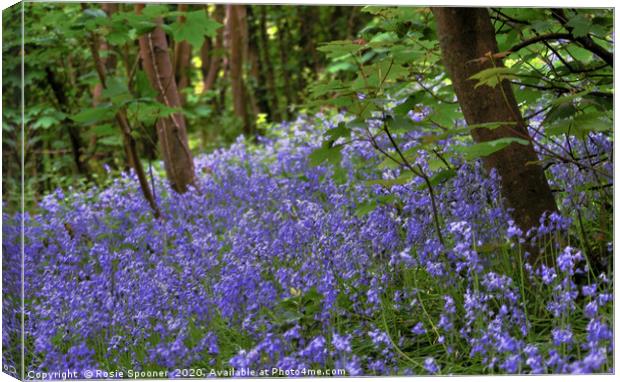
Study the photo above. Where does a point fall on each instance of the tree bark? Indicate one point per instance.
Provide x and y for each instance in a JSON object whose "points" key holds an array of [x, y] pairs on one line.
{"points": [[214, 57], [74, 133], [182, 58], [109, 60], [257, 65], [308, 18], [465, 35], [267, 68], [285, 48], [129, 142], [235, 62], [171, 130]]}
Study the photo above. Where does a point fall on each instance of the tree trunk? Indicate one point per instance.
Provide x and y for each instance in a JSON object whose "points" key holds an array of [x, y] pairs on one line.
{"points": [[182, 58], [287, 76], [465, 35], [171, 129], [235, 62], [74, 133], [109, 60], [257, 64], [129, 142], [215, 56], [252, 85], [308, 17], [267, 68]]}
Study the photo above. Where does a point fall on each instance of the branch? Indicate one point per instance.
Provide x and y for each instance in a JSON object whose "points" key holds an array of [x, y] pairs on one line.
{"points": [[585, 41], [540, 38], [523, 44]]}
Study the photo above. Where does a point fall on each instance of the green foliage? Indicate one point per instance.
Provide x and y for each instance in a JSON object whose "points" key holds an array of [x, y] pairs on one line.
{"points": [[581, 124], [327, 154], [194, 28], [484, 149], [493, 76], [94, 115]]}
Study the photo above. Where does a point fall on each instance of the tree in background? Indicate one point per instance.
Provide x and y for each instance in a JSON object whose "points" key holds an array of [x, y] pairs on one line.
{"points": [[237, 45], [182, 58], [171, 129]]}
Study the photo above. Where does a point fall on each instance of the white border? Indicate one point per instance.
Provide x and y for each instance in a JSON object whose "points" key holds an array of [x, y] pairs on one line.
{"points": [[496, 3]]}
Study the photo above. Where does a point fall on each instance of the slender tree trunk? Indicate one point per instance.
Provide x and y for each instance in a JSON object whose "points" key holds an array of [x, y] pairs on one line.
{"points": [[74, 133], [255, 80], [129, 142], [466, 35], [205, 59], [308, 17], [248, 91], [284, 48], [257, 65], [171, 130], [351, 22], [267, 68], [235, 62], [335, 31], [215, 56], [109, 60], [182, 58]]}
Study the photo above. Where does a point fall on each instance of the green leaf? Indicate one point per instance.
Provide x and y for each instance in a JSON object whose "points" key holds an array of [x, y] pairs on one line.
{"points": [[366, 208], [562, 111], [581, 26], [154, 10], [383, 39], [579, 53], [401, 124], [491, 125], [409, 104], [405, 54], [445, 114], [403, 178], [581, 125], [45, 122], [147, 111], [339, 48], [493, 76], [570, 97], [111, 140], [116, 91], [93, 115], [143, 85], [330, 154], [388, 163], [341, 66], [484, 149], [104, 130], [438, 178], [118, 37], [340, 131], [384, 70], [194, 28], [320, 89]]}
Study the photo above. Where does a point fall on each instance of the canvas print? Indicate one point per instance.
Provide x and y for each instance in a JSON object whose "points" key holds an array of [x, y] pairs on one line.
{"points": [[258, 190]]}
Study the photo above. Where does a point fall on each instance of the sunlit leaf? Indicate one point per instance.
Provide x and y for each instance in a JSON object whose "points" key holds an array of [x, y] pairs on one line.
{"points": [[484, 149]]}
